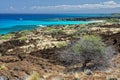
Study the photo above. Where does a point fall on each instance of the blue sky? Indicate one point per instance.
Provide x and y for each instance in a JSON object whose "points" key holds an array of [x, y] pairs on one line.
{"points": [[59, 6]]}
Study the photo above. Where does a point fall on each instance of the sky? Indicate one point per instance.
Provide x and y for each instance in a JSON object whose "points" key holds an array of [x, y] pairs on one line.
{"points": [[59, 6]]}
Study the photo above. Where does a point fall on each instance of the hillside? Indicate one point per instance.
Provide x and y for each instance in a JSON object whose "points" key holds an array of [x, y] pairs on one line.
{"points": [[37, 52]]}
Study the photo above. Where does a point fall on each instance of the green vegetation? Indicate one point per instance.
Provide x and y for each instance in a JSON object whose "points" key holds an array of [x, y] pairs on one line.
{"points": [[61, 44], [23, 34], [116, 15], [7, 36], [2, 67], [69, 26], [53, 31], [11, 35], [22, 38], [82, 30], [90, 47], [89, 44], [113, 20], [34, 76], [76, 35]]}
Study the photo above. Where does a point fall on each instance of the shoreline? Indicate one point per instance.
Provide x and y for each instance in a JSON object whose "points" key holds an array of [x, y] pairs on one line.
{"points": [[41, 48], [38, 26], [91, 18], [69, 21]]}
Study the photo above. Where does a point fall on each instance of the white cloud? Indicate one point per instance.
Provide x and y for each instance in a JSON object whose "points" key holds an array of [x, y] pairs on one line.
{"points": [[12, 8], [108, 4]]}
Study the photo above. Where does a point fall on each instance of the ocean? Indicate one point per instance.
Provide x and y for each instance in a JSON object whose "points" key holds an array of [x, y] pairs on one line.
{"points": [[18, 22]]}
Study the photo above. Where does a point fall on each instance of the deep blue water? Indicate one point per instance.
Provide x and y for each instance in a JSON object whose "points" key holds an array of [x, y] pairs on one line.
{"points": [[17, 22]]}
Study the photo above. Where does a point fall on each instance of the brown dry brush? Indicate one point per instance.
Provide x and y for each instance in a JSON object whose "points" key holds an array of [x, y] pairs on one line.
{"points": [[86, 51]]}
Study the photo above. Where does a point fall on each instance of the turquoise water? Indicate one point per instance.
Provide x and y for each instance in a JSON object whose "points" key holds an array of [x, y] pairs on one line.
{"points": [[11, 23], [18, 22], [7, 26]]}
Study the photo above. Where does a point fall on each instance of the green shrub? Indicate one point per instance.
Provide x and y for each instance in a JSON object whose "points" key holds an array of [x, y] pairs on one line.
{"points": [[23, 34], [75, 35], [91, 48], [89, 51], [34, 76], [6, 37], [113, 20], [89, 44], [61, 44], [53, 31], [82, 30], [23, 38]]}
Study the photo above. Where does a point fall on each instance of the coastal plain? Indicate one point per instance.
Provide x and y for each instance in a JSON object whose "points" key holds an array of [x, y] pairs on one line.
{"points": [[36, 52]]}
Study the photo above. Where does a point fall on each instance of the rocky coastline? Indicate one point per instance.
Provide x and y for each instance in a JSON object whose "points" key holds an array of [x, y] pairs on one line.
{"points": [[89, 18], [32, 53]]}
